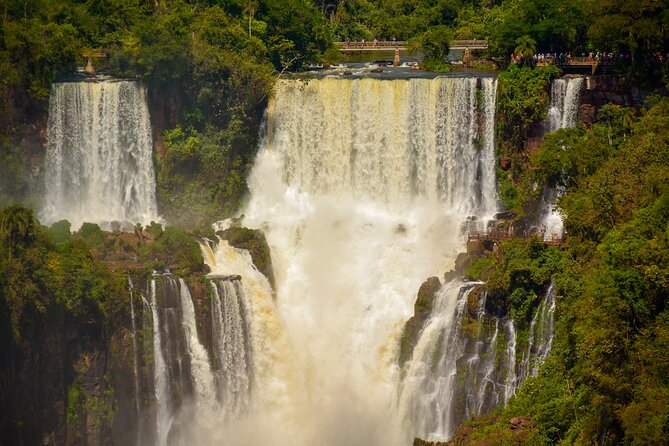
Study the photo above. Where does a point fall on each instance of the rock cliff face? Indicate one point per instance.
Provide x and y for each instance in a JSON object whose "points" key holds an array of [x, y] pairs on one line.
{"points": [[56, 386], [465, 351], [607, 89]]}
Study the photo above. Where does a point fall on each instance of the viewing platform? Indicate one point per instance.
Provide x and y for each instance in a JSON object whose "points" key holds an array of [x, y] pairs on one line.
{"points": [[499, 236], [577, 63]]}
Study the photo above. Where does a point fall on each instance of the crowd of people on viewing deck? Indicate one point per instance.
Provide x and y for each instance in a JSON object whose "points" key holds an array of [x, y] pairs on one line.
{"points": [[592, 56]]}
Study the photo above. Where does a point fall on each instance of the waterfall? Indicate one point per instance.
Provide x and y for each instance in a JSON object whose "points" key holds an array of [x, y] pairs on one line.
{"points": [[458, 370], [510, 363], [487, 396], [488, 158], [562, 113], [389, 141], [565, 99], [429, 388], [202, 377], [466, 364], [362, 187], [256, 380], [99, 165]]}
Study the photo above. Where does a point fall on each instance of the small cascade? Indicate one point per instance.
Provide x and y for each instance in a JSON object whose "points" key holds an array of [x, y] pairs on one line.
{"points": [[256, 382], [429, 389], [467, 361], [541, 334], [135, 350], [565, 99], [99, 165], [488, 176], [510, 361], [488, 395], [552, 226]]}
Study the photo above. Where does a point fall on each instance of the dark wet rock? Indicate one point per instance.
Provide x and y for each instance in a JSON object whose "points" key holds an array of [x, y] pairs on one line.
{"points": [[419, 442], [422, 310], [224, 278]]}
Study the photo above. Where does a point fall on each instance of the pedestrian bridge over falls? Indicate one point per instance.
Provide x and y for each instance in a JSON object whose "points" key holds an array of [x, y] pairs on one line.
{"points": [[386, 45]]}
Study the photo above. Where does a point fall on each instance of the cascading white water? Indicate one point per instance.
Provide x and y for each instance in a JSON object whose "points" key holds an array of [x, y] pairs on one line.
{"points": [[257, 381], [231, 345], [135, 362], [428, 390], [99, 165], [565, 99], [456, 372], [487, 396], [390, 142], [488, 159], [203, 379], [362, 187], [355, 227], [510, 382], [562, 113]]}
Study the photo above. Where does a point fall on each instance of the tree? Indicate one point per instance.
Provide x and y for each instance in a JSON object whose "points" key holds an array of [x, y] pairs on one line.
{"points": [[526, 47], [17, 228]]}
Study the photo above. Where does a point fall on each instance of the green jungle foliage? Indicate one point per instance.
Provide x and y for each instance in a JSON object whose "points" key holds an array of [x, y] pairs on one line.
{"points": [[39, 276], [623, 26], [523, 97], [210, 66], [46, 270], [607, 379]]}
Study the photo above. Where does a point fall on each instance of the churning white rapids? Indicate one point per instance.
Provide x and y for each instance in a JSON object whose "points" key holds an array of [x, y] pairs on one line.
{"points": [[362, 188]]}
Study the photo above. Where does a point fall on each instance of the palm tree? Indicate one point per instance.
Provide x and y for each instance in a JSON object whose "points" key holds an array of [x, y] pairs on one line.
{"points": [[526, 47]]}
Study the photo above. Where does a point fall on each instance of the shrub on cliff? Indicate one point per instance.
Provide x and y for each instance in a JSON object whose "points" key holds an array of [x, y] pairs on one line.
{"points": [[175, 250], [40, 280]]}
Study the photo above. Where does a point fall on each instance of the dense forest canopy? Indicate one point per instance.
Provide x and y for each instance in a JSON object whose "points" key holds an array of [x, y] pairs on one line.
{"points": [[198, 40]]}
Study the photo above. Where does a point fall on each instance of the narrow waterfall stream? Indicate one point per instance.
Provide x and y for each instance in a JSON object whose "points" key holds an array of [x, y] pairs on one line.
{"points": [[562, 113]]}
